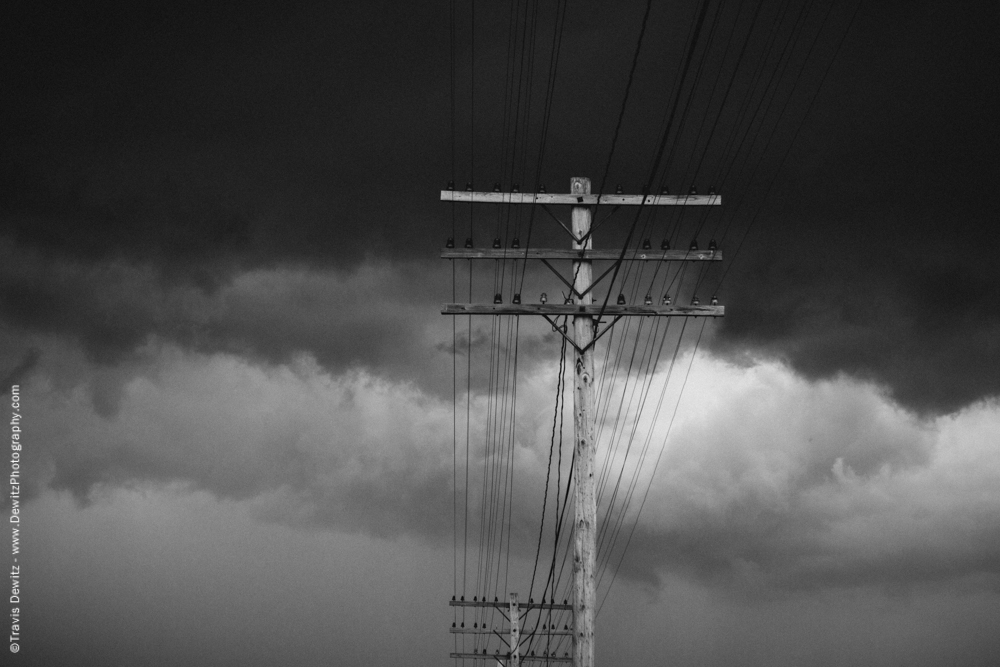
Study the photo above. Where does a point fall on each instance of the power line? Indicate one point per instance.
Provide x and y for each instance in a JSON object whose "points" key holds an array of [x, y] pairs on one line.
{"points": [[662, 147], [655, 466]]}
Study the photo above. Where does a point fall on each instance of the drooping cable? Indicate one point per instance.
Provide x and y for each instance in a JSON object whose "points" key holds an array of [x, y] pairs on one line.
{"points": [[628, 88], [653, 474], [660, 151], [795, 136], [552, 445]]}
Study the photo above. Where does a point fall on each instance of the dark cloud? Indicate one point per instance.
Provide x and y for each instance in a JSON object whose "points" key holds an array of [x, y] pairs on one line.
{"points": [[194, 135], [233, 212], [868, 259], [204, 143], [926, 330], [379, 316]]}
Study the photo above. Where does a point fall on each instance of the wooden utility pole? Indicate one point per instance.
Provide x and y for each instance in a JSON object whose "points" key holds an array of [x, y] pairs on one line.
{"points": [[585, 503], [585, 334]]}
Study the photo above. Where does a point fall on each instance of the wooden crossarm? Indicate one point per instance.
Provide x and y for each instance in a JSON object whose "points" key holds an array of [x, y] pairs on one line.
{"points": [[574, 309], [579, 200], [503, 656], [503, 605], [570, 254]]}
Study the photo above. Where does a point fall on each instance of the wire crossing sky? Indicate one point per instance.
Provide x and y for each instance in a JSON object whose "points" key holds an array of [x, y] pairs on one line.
{"points": [[625, 428], [252, 437]]}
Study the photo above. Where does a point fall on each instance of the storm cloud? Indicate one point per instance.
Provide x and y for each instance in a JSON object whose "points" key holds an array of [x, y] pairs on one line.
{"points": [[197, 148], [820, 485], [220, 294]]}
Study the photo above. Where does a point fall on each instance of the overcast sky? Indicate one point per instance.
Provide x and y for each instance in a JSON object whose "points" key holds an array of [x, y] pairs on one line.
{"points": [[220, 295]]}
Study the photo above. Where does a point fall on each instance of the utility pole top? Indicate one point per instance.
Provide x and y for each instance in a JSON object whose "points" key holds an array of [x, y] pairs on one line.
{"points": [[580, 307]]}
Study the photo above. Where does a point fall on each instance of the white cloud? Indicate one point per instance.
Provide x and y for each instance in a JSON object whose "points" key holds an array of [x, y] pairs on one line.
{"points": [[772, 481], [768, 482]]}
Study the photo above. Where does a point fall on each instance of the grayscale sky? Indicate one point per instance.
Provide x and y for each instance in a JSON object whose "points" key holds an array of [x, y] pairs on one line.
{"points": [[220, 292]]}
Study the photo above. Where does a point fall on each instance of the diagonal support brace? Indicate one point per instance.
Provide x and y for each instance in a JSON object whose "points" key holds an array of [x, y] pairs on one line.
{"points": [[562, 333]]}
